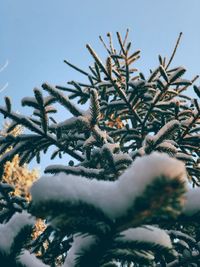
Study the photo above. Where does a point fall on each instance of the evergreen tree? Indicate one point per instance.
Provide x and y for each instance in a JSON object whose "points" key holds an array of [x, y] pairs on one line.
{"points": [[129, 194]]}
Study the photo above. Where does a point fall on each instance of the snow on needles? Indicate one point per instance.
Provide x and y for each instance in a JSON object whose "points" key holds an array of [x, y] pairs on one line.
{"points": [[80, 245], [145, 234], [30, 260], [192, 205], [114, 198], [9, 230]]}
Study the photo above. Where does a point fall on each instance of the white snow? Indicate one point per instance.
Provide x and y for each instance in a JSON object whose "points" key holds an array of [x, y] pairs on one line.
{"points": [[187, 121], [116, 102], [171, 102], [99, 132], [91, 172], [30, 260], [165, 128], [80, 245], [29, 99], [148, 234], [114, 198], [103, 83], [184, 157], [9, 230], [89, 141], [168, 147], [182, 82], [192, 204], [67, 123], [137, 83], [122, 156], [177, 73], [111, 146]]}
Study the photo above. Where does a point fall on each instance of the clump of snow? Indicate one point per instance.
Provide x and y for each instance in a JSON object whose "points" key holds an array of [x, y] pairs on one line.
{"points": [[29, 260], [80, 245], [9, 230], [167, 128], [166, 146], [148, 234], [114, 198], [192, 205]]}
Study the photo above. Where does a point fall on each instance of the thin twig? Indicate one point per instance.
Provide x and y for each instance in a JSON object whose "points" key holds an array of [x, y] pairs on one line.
{"points": [[126, 37], [174, 51], [121, 44], [104, 44], [110, 42], [186, 86], [77, 69]]}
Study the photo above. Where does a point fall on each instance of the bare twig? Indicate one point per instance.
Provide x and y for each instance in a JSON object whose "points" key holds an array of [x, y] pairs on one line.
{"points": [[174, 51]]}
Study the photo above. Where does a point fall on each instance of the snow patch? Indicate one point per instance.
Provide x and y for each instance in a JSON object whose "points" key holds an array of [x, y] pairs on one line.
{"points": [[147, 234], [9, 230], [29, 260], [192, 204], [80, 245], [114, 198]]}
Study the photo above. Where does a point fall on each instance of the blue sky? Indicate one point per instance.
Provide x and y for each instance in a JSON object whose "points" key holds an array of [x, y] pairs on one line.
{"points": [[36, 36]]}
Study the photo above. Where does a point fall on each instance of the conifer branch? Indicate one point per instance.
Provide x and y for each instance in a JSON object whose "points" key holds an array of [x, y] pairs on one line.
{"points": [[174, 51]]}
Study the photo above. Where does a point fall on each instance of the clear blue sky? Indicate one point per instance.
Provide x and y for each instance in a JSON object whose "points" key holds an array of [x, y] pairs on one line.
{"points": [[35, 37]]}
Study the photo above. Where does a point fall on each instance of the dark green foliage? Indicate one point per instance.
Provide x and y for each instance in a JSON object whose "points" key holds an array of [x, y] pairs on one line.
{"points": [[8, 104], [6, 261], [9, 204]]}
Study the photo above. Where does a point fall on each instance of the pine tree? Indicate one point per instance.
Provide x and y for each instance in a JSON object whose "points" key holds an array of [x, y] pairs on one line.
{"points": [[129, 194]]}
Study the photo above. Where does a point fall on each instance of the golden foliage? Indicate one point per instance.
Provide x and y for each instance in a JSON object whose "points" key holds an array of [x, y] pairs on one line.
{"points": [[19, 176], [115, 122], [40, 226], [16, 131], [14, 174]]}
